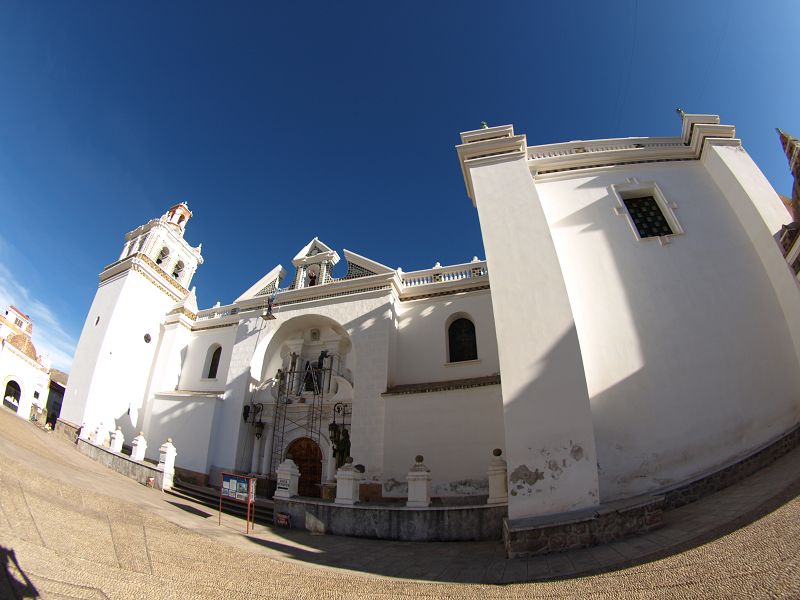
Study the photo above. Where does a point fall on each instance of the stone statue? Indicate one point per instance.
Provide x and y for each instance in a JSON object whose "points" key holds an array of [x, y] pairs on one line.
{"points": [[322, 356], [342, 450]]}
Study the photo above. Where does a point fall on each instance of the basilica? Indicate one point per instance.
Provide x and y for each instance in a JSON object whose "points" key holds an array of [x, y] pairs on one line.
{"points": [[634, 327]]}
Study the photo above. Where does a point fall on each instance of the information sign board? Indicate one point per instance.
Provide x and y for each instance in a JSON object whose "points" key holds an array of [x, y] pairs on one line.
{"points": [[239, 488]]}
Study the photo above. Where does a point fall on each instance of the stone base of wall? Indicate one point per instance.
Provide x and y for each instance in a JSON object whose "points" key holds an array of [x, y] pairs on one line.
{"points": [[144, 473], [67, 430], [440, 524], [580, 529], [192, 477], [709, 484]]}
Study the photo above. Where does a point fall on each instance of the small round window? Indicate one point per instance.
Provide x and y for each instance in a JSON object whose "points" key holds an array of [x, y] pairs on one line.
{"points": [[147, 338]]}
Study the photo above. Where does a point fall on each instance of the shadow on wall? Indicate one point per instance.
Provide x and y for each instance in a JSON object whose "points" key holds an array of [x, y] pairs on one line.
{"points": [[15, 583], [690, 320]]}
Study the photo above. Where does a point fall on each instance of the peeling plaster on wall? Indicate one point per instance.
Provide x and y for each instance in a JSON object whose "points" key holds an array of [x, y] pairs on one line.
{"points": [[392, 485], [576, 452], [462, 487]]}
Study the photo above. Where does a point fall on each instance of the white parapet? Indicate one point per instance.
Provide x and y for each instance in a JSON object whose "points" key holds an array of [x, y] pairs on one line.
{"points": [[348, 480], [419, 484], [498, 479], [288, 476]]}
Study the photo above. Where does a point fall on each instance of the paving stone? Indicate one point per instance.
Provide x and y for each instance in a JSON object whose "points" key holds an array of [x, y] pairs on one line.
{"points": [[70, 528]]}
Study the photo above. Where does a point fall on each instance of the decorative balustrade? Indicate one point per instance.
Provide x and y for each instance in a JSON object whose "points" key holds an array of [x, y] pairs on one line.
{"points": [[444, 274], [572, 148]]}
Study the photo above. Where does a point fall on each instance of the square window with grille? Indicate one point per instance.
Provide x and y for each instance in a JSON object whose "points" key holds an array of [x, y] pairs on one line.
{"points": [[647, 217]]}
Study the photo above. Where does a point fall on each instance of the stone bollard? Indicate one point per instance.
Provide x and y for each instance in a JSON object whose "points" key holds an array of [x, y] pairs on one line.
{"points": [[419, 485], [85, 433], [97, 436], [138, 447], [288, 476], [166, 462], [498, 479], [117, 438], [348, 480]]}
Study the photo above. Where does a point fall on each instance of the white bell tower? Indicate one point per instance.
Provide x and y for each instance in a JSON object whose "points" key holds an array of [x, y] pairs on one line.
{"points": [[123, 330]]}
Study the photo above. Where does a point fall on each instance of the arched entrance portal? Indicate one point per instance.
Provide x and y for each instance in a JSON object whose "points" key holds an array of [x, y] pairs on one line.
{"points": [[308, 458], [11, 395]]}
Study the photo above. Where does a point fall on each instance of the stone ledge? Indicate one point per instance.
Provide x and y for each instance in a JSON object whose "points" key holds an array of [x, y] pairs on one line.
{"points": [[685, 493], [124, 465], [582, 528], [439, 524]]}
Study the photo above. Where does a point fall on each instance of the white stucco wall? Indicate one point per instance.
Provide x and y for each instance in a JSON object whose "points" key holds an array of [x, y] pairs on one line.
{"points": [[15, 366], [454, 430], [193, 372], [188, 421], [687, 356], [114, 364], [421, 347]]}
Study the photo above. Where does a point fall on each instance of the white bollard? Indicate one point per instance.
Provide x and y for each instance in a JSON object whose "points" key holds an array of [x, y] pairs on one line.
{"points": [[419, 484], [166, 462], [498, 479], [288, 476], [138, 447], [348, 480], [117, 439], [85, 432]]}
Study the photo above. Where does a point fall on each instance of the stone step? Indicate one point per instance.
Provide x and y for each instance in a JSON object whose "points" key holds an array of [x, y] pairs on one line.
{"points": [[209, 497]]}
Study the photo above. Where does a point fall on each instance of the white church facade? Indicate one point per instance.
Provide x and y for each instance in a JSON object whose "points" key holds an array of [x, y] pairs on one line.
{"points": [[634, 326]]}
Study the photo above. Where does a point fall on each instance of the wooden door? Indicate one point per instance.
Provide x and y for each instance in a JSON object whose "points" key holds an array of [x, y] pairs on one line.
{"points": [[308, 458]]}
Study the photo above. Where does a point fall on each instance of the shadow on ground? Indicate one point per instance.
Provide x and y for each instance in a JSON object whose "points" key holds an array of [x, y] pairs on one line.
{"points": [[474, 562]]}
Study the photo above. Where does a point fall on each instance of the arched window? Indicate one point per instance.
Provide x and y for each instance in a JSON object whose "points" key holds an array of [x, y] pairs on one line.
{"points": [[11, 395], [461, 341], [162, 255], [212, 361], [178, 269]]}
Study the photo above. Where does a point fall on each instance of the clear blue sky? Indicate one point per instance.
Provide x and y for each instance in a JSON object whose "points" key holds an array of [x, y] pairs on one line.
{"points": [[278, 123]]}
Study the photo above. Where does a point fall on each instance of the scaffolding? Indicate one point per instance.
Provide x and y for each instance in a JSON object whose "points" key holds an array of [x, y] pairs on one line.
{"points": [[299, 396]]}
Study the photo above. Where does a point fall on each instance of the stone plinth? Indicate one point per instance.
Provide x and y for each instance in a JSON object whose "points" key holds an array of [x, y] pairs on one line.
{"points": [[498, 479], [348, 481], [138, 447], [117, 439], [419, 485], [288, 476], [166, 462]]}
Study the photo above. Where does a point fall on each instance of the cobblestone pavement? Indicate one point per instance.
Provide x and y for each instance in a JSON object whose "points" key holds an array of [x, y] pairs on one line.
{"points": [[70, 528]]}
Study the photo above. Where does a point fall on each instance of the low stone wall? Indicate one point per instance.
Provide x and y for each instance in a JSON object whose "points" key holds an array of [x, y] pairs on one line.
{"points": [[66, 430], [709, 484], [433, 524], [125, 465], [580, 529], [192, 477]]}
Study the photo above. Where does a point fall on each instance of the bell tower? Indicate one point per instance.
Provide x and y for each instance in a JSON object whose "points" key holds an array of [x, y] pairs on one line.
{"points": [[124, 328]]}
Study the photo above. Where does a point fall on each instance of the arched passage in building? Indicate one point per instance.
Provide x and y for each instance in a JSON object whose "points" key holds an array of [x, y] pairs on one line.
{"points": [[11, 395], [307, 455]]}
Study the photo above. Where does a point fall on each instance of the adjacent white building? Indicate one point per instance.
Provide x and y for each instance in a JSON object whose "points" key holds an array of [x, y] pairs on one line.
{"points": [[634, 325], [24, 374]]}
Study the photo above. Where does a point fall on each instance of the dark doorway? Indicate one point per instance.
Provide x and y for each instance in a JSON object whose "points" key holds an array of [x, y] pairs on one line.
{"points": [[308, 458], [11, 395]]}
